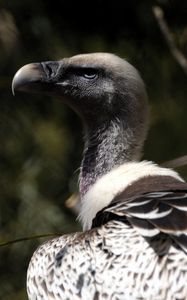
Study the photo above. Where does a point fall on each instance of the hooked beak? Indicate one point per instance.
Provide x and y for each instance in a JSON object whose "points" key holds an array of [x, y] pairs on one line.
{"points": [[37, 78]]}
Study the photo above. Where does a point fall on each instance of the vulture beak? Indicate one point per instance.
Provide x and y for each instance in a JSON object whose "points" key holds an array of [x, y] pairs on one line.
{"points": [[36, 78]]}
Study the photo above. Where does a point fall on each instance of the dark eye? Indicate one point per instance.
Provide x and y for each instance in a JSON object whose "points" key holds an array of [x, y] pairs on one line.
{"points": [[89, 73]]}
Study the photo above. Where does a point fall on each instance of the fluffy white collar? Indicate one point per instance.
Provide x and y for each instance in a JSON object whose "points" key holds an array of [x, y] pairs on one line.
{"points": [[109, 185]]}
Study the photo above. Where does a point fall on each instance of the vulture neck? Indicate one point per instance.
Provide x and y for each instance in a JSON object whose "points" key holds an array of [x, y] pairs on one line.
{"points": [[107, 146]]}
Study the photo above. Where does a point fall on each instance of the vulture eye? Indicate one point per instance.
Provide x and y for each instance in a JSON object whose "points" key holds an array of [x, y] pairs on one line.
{"points": [[89, 73]]}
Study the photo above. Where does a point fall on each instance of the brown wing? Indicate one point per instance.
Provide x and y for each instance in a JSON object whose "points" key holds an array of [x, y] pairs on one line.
{"points": [[152, 213]]}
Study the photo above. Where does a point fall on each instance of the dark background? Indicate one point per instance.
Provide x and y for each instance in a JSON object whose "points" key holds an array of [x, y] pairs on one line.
{"points": [[41, 140]]}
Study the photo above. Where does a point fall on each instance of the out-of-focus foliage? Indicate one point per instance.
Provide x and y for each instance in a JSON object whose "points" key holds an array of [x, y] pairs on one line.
{"points": [[40, 139]]}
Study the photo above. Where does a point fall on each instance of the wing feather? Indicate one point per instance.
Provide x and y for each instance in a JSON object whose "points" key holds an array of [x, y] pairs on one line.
{"points": [[155, 213]]}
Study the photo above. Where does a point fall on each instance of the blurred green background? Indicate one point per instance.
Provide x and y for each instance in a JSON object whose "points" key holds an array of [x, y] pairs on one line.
{"points": [[41, 140]]}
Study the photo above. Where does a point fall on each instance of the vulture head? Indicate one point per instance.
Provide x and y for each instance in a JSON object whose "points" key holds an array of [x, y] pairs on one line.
{"points": [[108, 94]]}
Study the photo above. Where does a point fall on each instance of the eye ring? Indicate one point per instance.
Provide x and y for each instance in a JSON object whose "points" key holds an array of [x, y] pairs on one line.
{"points": [[89, 75]]}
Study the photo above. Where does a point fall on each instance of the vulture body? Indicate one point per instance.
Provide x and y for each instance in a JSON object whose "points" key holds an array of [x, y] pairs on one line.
{"points": [[134, 213]]}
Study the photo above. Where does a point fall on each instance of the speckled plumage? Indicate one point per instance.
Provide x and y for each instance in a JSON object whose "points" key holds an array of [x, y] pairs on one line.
{"points": [[110, 262], [114, 260]]}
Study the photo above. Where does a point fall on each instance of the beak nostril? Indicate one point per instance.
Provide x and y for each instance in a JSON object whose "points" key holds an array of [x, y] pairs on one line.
{"points": [[49, 70]]}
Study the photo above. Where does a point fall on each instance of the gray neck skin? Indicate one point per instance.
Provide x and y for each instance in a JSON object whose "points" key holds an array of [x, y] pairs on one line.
{"points": [[110, 145]]}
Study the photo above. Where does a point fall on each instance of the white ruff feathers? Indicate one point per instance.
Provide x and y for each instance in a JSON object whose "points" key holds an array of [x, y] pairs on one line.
{"points": [[111, 184]]}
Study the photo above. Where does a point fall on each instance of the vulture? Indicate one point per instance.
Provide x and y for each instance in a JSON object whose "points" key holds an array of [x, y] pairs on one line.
{"points": [[134, 213]]}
